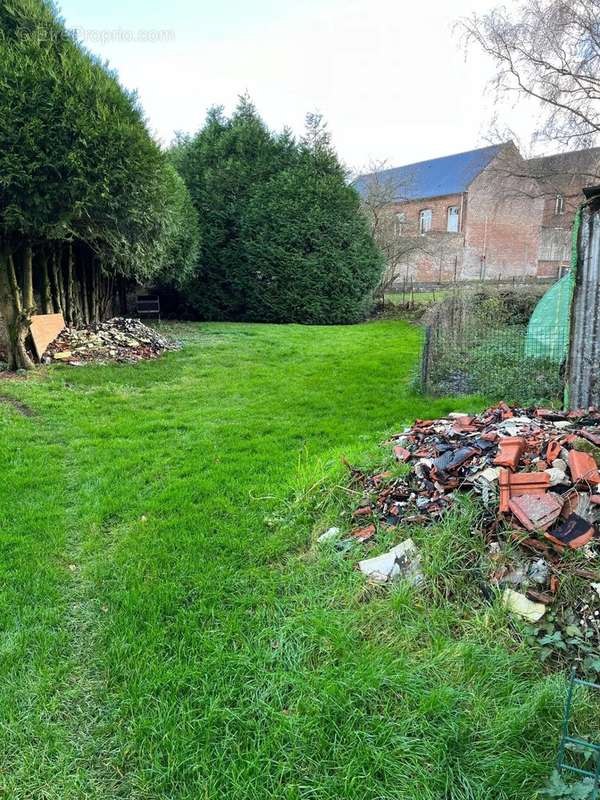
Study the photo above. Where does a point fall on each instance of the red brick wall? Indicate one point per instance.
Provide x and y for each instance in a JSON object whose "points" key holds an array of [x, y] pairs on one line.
{"points": [[436, 255], [439, 259], [572, 203], [506, 221], [548, 269], [503, 223], [439, 208], [564, 174]]}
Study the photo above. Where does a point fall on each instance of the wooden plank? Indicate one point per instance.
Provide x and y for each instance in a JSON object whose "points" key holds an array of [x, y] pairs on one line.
{"points": [[44, 330]]}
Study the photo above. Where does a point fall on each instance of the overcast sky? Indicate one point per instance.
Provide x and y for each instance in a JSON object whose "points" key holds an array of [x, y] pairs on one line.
{"points": [[390, 76]]}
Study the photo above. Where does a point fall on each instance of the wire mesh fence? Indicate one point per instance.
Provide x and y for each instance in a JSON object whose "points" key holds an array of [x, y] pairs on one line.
{"points": [[469, 352]]}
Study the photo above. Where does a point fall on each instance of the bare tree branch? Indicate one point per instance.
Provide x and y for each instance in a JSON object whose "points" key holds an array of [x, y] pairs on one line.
{"points": [[548, 50]]}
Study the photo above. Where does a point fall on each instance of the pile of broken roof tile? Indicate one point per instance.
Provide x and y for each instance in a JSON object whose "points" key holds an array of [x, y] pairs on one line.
{"points": [[537, 475], [120, 340]]}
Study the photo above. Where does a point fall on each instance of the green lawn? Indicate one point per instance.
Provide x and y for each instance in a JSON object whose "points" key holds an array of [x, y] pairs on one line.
{"points": [[434, 296], [168, 628]]}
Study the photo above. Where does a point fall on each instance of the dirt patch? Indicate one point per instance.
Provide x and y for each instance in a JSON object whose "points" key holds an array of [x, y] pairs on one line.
{"points": [[6, 375], [22, 408]]}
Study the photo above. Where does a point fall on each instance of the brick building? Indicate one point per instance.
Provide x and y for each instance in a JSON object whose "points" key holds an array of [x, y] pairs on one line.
{"points": [[486, 213], [561, 178]]}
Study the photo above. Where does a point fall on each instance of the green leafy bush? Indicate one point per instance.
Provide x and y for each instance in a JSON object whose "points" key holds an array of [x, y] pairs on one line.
{"points": [[311, 255], [283, 237]]}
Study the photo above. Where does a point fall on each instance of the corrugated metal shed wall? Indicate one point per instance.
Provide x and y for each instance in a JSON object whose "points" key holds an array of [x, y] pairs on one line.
{"points": [[584, 351]]}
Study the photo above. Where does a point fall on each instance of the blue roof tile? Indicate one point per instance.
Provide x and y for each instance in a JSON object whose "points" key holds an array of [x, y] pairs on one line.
{"points": [[434, 178]]}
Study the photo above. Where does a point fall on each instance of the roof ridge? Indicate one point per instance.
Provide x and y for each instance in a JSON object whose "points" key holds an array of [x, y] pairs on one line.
{"points": [[434, 177], [436, 158], [565, 153]]}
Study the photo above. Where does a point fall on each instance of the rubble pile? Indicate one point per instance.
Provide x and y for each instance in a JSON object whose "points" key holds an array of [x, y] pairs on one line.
{"points": [[536, 473], [119, 340]]}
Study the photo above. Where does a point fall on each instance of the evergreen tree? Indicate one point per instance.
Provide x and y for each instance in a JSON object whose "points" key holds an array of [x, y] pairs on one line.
{"points": [[83, 189], [180, 240], [282, 235], [311, 251], [222, 167]]}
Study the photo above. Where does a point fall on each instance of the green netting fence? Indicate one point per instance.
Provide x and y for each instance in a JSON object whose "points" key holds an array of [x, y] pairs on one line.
{"points": [[506, 345], [502, 362], [553, 313]]}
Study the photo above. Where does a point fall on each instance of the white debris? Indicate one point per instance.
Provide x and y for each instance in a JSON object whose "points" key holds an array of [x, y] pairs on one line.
{"points": [[539, 572], [557, 476], [508, 423], [491, 474], [522, 606], [596, 588], [330, 533], [402, 561]]}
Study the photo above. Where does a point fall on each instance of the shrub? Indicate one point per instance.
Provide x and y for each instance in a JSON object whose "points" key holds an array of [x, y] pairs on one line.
{"points": [[310, 251], [282, 236]]}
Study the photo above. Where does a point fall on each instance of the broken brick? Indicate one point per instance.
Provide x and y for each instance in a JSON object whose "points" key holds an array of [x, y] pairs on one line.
{"points": [[401, 454], [593, 438], [464, 424], [574, 532], [363, 511], [583, 467], [521, 483], [553, 450], [539, 597], [536, 512], [364, 534], [510, 452]]}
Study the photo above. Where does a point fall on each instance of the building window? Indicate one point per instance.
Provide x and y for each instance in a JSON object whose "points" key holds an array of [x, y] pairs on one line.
{"points": [[400, 223], [559, 205], [425, 220], [453, 219]]}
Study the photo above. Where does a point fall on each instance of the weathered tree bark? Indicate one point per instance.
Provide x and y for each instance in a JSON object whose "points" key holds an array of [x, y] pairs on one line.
{"points": [[106, 296], [68, 286], [72, 289], [60, 282], [55, 281], [16, 319], [28, 300], [47, 302]]}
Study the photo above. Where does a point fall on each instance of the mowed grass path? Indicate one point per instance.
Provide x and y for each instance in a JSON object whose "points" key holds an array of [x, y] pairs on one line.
{"points": [[167, 632]]}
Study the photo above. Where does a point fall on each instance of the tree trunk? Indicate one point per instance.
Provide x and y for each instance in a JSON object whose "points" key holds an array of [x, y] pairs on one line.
{"points": [[28, 301], [68, 286], [60, 283], [47, 304], [16, 319], [94, 309], [85, 309], [72, 293], [56, 283], [106, 295]]}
